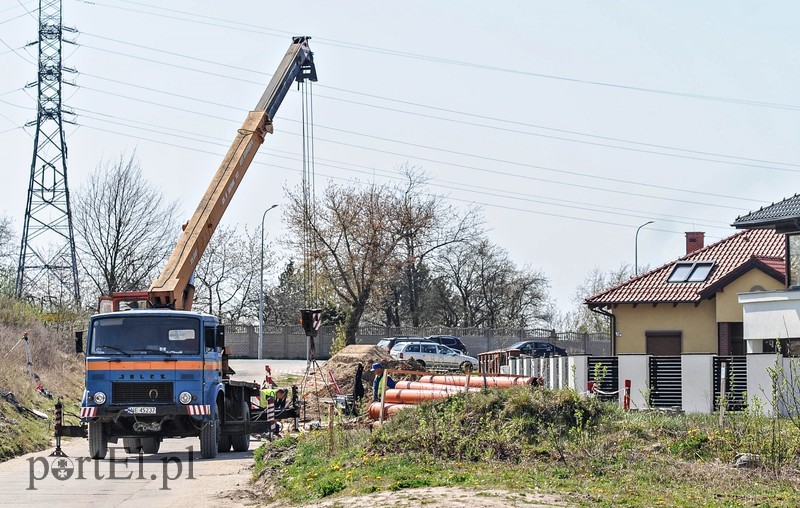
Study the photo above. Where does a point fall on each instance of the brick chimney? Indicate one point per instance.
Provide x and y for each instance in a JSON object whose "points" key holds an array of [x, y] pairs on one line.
{"points": [[694, 241]]}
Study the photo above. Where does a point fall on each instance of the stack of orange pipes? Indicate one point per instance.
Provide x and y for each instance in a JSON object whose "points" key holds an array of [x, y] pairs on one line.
{"points": [[407, 394]]}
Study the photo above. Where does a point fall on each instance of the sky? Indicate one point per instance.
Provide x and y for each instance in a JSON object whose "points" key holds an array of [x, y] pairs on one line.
{"points": [[569, 123]]}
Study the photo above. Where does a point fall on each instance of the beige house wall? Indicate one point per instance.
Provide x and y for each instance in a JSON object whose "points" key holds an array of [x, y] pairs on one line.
{"points": [[729, 310], [697, 324]]}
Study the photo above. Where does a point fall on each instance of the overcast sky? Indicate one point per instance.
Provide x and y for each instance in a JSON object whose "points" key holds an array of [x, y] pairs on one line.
{"points": [[570, 123]]}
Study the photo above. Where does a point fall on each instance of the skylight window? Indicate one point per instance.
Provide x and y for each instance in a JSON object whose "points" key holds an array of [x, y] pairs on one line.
{"points": [[688, 271]]}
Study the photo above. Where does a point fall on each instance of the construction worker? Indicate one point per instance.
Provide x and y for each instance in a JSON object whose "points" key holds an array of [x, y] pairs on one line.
{"points": [[266, 394], [377, 384]]}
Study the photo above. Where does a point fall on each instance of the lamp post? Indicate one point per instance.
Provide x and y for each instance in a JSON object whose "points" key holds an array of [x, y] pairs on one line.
{"points": [[636, 249], [261, 289]]}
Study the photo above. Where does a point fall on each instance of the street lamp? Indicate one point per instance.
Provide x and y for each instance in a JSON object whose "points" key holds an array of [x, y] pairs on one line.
{"points": [[636, 249], [261, 289]]}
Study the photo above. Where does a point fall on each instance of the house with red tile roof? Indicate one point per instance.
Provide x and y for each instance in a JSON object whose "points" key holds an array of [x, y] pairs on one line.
{"points": [[690, 305]]}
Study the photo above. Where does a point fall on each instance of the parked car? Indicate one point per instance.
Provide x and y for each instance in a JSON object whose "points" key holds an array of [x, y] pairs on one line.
{"points": [[538, 348], [449, 341], [389, 342], [431, 355]]}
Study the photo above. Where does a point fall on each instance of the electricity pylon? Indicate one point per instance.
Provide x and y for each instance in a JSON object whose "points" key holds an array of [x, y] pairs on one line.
{"points": [[47, 269]]}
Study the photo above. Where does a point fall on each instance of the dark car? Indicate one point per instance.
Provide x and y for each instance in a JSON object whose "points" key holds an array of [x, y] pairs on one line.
{"points": [[449, 341], [538, 348], [389, 342]]}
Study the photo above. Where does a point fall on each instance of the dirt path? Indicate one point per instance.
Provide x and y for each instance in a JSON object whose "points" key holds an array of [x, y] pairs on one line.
{"points": [[439, 497]]}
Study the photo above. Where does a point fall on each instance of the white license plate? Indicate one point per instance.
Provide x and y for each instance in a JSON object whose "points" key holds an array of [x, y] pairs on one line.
{"points": [[142, 410]]}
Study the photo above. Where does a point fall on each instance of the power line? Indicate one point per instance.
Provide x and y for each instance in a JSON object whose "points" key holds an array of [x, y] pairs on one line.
{"points": [[452, 186], [384, 51], [335, 177], [438, 149], [471, 115]]}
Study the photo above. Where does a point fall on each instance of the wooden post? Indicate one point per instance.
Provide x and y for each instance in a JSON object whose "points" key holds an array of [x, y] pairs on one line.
{"points": [[383, 394], [330, 429], [383, 385]]}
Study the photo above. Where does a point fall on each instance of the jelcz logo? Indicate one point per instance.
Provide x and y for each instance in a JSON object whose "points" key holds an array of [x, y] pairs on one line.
{"points": [[65, 468]]}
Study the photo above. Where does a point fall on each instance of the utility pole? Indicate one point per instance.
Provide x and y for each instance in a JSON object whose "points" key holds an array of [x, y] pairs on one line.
{"points": [[47, 269], [261, 289]]}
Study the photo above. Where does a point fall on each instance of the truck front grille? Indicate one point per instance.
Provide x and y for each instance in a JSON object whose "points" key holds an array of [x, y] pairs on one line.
{"points": [[134, 393]]}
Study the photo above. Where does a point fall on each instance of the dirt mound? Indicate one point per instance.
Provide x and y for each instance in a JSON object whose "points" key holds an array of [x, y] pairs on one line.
{"points": [[344, 366]]}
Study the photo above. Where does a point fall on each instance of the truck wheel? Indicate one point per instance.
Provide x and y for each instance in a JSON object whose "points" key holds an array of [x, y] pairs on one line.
{"points": [[241, 442], [98, 441], [131, 445], [209, 437], [224, 444], [150, 444]]}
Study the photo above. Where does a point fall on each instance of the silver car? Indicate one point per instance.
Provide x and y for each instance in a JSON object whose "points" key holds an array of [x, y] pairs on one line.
{"points": [[433, 356]]}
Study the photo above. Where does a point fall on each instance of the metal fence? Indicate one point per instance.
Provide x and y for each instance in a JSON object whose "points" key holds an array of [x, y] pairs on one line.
{"points": [[290, 342]]}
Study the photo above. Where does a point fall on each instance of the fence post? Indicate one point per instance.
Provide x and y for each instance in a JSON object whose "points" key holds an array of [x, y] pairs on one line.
{"points": [[626, 398], [252, 339], [723, 378]]}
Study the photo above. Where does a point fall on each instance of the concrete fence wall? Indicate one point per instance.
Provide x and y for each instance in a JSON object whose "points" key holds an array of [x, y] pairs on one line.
{"points": [[289, 342]]}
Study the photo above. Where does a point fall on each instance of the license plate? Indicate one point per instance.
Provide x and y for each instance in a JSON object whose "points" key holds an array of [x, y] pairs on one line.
{"points": [[142, 410]]}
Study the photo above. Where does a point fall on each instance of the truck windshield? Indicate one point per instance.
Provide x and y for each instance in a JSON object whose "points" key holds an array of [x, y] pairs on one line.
{"points": [[134, 335]]}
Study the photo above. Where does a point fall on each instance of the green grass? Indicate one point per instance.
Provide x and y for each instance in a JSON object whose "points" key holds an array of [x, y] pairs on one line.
{"points": [[586, 452]]}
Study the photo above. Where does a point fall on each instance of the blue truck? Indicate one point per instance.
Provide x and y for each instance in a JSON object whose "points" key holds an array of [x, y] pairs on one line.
{"points": [[154, 374], [154, 368]]}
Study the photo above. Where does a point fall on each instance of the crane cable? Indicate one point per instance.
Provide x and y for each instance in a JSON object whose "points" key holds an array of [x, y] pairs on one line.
{"points": [[309, 205]]}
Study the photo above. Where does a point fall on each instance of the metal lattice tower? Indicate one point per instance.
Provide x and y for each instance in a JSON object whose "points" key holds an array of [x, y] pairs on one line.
{"points": [[48, 270]]}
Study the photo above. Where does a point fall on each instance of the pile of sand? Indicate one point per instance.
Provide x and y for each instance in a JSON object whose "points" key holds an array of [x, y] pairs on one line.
{"points": [[344, 365]]}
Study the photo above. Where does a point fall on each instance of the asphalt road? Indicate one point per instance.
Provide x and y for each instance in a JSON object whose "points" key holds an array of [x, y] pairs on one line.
{"points": [[176, 476]]}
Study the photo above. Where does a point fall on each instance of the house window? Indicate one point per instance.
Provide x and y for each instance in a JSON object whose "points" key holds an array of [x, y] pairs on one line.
{"points": [[793, 259], [689, 271]]}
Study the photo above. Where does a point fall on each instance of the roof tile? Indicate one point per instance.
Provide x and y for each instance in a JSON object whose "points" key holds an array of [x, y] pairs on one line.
{"points": [[789, 208], [761, 247]]}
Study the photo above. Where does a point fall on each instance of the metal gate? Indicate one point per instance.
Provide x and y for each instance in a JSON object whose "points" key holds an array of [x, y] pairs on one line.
{"points": [[735, 383], [665, 382], [604, 372]]}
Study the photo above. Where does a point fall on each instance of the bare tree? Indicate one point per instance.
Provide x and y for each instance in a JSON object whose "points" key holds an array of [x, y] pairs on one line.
{"points": [[460, 282], [125, 228], [355, 233], [8, 243], [226, 278], [484, 288], [428, 223], [580, 318]]}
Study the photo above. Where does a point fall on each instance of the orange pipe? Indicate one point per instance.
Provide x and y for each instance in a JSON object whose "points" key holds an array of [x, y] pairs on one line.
{"points": [[412, 396], [415, 385], [388, 409], [476, 381]]}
